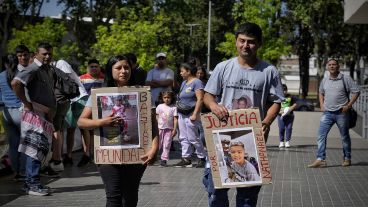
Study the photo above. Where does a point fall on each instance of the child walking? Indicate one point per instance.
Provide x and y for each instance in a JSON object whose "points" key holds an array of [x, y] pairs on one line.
{"points": [[167, 118]]}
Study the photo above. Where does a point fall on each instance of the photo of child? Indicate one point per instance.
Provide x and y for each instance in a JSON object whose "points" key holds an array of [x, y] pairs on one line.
{"points": [[243, 102], [237, 156], [241, 169], [124, 106]]}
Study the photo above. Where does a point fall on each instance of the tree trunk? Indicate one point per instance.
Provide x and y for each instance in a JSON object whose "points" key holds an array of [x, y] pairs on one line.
{"points": [[304, 74]]}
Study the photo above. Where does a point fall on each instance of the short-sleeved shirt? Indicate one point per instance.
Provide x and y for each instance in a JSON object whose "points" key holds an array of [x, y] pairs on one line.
{"points": [[187, 92], [245, 173], [335, 95], [166, 116], [38, 80], [259, 85], [7, 95], [90, 82], [159, 75], [288, 102]]}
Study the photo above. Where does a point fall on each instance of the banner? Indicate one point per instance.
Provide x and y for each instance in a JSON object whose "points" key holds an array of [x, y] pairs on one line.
{"points": [[125, 143], [237, 149]]}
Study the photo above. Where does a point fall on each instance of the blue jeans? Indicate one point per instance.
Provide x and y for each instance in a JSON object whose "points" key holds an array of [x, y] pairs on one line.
{"points": [[33, 167], [245, 197], [285, 125], [328, 119], [12, 117]]}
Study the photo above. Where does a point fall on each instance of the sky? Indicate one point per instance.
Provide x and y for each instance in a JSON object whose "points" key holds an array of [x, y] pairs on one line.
{"points": [[51, 8]]}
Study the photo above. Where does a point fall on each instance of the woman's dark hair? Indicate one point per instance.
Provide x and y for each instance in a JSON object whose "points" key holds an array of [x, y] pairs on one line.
{"points": [[205, 77], [11, 65], [163, 93], [189, 67], [108, 69]]}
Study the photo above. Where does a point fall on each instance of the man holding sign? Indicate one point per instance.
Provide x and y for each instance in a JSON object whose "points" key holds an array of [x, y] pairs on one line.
{"points": [[242, 77]]}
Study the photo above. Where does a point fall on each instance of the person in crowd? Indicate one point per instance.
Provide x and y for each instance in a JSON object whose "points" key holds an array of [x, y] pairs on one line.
{"points": [[73, 113], [12, 108], [62, 107], [191, 96], [243, 169], [202, 75], [138, 73], [335, 104], [261, 82], [121, 181], [94, 78], [285, 118], [38, 102], [160, 78], [167, 119]]}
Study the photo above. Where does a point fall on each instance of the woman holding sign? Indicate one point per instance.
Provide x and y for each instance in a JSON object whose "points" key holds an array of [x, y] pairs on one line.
{"points": [[121, 181]]}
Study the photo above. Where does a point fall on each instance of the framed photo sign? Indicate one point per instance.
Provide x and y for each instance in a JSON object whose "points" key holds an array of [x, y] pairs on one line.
{"points": [[237, 149], [125, 143]]}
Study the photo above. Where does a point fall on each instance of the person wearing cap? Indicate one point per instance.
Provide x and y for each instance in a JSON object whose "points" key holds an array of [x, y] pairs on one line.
{"points": [[160, 78]]}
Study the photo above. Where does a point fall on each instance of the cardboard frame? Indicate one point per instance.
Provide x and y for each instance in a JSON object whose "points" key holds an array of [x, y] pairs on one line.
{"points": [[126, 143], [237, 149]]}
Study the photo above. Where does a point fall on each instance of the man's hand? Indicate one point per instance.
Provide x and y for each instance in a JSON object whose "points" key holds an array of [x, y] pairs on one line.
{"points": [[345, 109], [220, 111], [193, 117]]}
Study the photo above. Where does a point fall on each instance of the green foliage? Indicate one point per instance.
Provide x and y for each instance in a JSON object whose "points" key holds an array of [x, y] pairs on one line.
{"points": [[47, 31], [132, 35], [266, 14]]}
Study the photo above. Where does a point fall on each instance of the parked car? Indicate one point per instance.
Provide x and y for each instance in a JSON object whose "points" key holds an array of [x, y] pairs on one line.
{"points": [[304, 105]]}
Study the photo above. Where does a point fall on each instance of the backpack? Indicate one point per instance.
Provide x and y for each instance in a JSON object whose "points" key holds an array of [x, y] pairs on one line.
{"points": [[65, 87]]}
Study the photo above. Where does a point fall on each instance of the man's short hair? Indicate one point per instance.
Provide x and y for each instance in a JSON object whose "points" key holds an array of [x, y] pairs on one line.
{"points": [[250, 29], [132, 57], [91, 61], [333, 59], [44, 45], [21, 49]]}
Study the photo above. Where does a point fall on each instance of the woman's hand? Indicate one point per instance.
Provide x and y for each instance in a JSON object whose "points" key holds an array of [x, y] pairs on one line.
{"points": [[193, 117], [111, 120], [173, 133], [149, 156]]}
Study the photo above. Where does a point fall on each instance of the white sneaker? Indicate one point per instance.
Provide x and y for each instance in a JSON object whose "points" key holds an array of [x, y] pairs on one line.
{"points": [[57, 167], [281, 145], [287, 144]]}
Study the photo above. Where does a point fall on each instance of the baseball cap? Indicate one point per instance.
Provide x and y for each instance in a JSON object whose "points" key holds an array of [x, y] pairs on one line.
{"points": [[161, 54]]}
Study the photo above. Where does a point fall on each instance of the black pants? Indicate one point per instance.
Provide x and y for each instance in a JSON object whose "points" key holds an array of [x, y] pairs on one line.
{"points": [[121, 184]]}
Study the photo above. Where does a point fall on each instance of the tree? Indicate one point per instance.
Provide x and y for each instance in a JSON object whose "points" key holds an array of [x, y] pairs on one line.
{"points": [[266, 14], [13, 15], [49, 31], [132, 35]]}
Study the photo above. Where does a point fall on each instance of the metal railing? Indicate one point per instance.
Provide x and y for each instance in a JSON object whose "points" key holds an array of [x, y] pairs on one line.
{"points": [[361, 106]]}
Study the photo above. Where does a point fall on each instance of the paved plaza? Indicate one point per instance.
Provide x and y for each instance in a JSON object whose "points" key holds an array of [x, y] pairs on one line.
{"points": [[293, 183]]}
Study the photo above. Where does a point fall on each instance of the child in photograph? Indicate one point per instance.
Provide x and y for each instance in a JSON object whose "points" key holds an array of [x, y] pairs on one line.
{"points": [[167, 118], [119, 111], [242, 170], [242, 103]]}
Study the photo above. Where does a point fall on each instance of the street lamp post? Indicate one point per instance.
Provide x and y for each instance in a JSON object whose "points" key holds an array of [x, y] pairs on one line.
{"points": [[190, 34], [209, 36]]}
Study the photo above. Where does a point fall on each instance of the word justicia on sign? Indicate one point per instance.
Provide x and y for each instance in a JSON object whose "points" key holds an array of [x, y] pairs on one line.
{"points": [[235, 119]]}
